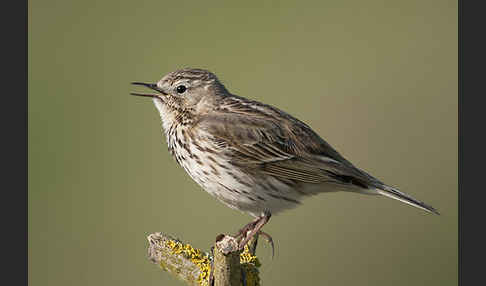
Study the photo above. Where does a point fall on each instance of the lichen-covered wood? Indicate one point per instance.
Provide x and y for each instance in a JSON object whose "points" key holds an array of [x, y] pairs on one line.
{"points": [[231, 267], [227, 267], [189, 264]]}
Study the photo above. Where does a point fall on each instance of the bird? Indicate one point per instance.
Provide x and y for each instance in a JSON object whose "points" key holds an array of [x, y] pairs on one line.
{"points": [[251, 156]]}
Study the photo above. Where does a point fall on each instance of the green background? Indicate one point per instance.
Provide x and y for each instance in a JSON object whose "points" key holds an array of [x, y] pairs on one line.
{"points": [[376, 79]]}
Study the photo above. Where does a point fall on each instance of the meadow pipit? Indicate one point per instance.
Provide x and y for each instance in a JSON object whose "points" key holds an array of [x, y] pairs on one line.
{"points": [[251, 156]]}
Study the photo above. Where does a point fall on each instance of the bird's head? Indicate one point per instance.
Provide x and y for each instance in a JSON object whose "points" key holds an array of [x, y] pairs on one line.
{"points": [[187, 92]]}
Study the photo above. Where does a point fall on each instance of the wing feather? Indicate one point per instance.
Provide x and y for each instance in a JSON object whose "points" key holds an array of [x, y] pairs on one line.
{"points": [[259, 136]]}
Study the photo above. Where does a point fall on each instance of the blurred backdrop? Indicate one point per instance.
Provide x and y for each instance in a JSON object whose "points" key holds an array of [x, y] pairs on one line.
{"points": [[377, 79]]}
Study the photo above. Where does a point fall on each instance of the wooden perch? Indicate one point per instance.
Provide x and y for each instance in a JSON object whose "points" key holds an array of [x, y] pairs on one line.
{"points": [[231, 267]]}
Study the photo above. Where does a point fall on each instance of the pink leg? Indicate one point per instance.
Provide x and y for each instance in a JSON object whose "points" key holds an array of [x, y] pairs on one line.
{"points": [[256, 226]]}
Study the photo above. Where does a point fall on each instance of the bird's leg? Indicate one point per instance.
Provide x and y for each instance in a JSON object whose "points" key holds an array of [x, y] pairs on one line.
{"points": [[244, 230], [255, 227]]}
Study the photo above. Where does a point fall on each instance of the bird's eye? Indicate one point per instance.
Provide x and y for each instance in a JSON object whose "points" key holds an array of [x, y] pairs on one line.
{"points": [[181, 89]]}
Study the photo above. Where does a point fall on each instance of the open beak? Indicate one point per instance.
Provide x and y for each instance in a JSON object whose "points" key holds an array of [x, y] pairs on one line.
{"points": [[149, 85]]}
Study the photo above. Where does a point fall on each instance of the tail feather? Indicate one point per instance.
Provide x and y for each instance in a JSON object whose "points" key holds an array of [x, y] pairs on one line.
{"points": [[397, 195]]}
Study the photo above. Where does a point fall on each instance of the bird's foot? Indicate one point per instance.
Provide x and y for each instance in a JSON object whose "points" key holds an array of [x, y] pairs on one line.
{"points": [[241, 234], [253, 228]]}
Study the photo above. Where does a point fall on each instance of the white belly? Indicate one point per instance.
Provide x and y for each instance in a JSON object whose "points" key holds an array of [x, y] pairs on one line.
{"points": [[228, 183]]}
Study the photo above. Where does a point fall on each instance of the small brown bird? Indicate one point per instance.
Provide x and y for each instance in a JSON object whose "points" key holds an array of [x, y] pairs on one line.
{"points": [[251, 156]]}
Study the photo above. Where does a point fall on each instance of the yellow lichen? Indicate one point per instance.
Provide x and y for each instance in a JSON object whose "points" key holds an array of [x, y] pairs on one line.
{"points": [[196, 256], [249, 262], [250, 265]]}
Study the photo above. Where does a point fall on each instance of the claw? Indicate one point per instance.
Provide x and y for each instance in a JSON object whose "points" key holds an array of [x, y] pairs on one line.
{"points": [[255, 226], [269, 239]]}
